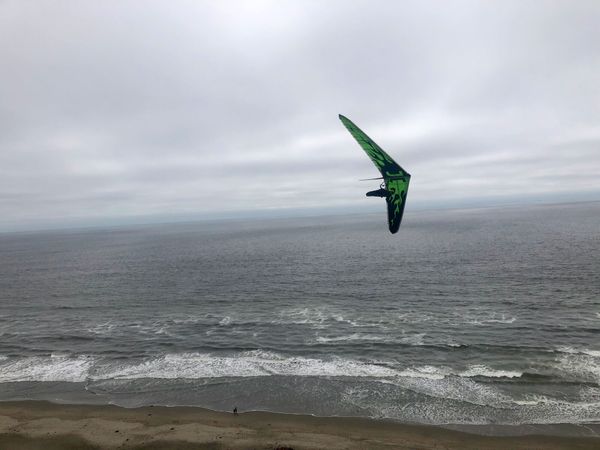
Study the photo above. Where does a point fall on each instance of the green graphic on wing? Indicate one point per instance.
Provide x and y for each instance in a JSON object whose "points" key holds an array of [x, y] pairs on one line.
{"points": [[395, 178], [396, 199], [384, 163]]}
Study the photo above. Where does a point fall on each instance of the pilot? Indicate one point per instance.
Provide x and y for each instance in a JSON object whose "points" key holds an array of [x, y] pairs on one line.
{"points": [[381, 192]]}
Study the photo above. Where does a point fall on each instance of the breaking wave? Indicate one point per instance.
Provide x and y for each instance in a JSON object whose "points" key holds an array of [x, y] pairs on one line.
{"points": [[351, 337], [45, 368], [255, 363], [484, 371], [583, 351]]}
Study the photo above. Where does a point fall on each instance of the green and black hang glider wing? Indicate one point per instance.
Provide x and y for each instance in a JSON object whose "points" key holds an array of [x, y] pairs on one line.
{"points": [[396, 179], [384, 163]]}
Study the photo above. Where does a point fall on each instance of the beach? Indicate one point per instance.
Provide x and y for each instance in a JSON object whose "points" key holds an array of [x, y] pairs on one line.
{"points": [[36, 425], [489, 329]]}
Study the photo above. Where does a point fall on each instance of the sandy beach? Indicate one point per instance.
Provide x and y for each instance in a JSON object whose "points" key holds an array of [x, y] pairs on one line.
{"points": [[37, 425]]}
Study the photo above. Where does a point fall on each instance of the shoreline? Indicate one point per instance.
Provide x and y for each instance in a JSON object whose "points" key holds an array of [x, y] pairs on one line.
{"points": [[36, 424]]}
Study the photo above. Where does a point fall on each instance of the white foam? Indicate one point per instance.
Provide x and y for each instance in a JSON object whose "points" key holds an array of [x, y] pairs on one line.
{"points": [[493, 319], [225, 321], [204, 365], [301, 316], [537, 399], [247, 364], [188, 320], [429, 372], [413, 317], [438, 384], [342, 319], [351, 337], [543, 409], [313, 316], [45, 368], [438, 373], [590, 394], [479, 370], [414, 339], [102, 329], [533, 400], [156, 327], [584, 351], [580, 364], [151, 328], [527, 402]]}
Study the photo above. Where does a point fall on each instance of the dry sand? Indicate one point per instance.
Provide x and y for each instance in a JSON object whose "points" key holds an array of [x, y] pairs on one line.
{"points": [[47, 426]]}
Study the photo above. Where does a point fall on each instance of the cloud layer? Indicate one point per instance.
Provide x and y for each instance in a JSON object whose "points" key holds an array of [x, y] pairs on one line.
{"points": [[124, 109]]}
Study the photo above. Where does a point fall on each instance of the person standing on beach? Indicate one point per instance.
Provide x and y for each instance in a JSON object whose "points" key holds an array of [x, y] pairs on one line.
{"points": [[235, 411]]}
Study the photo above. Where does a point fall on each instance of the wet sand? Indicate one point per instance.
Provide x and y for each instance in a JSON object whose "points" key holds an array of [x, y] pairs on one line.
{"points": [[48, 426]]}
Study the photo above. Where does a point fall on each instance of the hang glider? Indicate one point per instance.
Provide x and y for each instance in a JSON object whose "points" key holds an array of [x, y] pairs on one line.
{"points": [[395, 179]]}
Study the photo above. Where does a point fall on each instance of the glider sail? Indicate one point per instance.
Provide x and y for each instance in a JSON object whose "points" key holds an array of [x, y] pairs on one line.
{"points": [[395, 178]]}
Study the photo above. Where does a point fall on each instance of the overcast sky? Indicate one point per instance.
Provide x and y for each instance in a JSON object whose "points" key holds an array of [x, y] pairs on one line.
{"points": [[129, 110]]}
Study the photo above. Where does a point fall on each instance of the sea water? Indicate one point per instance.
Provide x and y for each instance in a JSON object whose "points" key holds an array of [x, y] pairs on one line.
{"points": [[464, 316]]}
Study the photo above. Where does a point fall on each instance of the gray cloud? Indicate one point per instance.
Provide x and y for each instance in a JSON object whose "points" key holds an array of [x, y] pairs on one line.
{"points": [[124, 109]]}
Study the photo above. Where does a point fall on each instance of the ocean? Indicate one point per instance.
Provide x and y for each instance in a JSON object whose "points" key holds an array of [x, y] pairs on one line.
{"points": [[480, 316]]}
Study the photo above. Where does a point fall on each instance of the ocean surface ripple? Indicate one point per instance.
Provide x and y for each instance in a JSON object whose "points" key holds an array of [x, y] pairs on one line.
{"points": [[465, 316]]}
